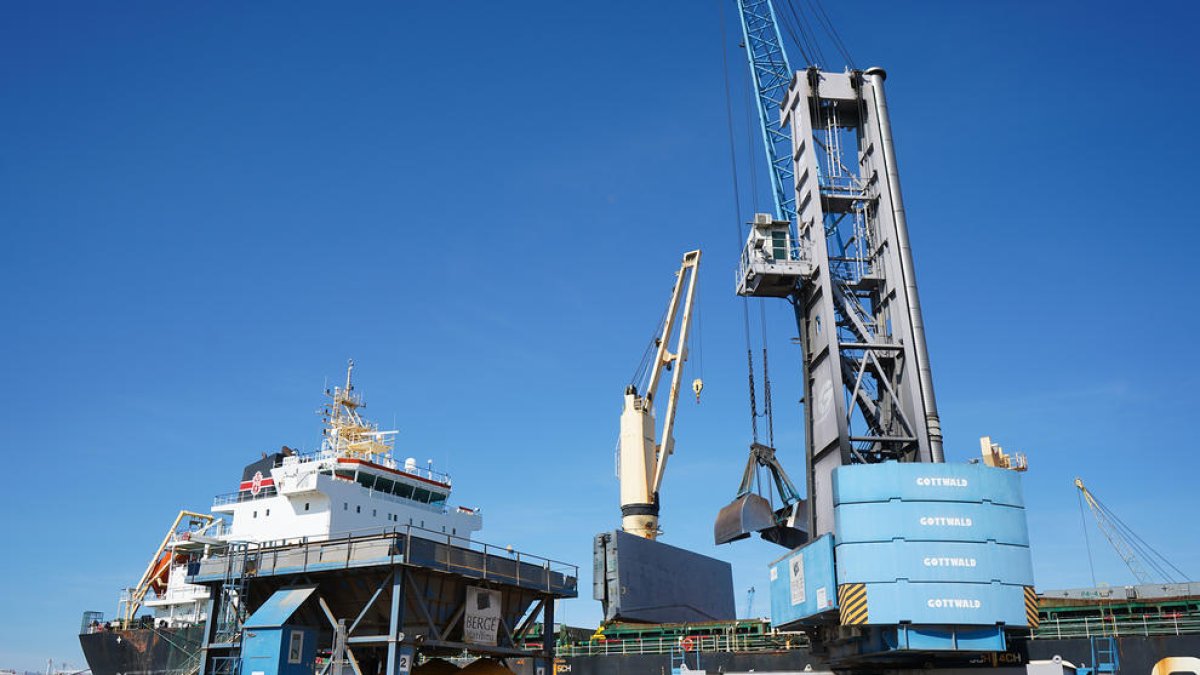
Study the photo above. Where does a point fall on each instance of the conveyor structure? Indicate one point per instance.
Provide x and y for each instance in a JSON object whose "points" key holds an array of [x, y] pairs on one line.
{"points": [[375, 602]]}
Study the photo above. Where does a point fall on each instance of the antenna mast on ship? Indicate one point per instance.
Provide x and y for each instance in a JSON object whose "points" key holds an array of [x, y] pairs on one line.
{"points": [[346, 432]]}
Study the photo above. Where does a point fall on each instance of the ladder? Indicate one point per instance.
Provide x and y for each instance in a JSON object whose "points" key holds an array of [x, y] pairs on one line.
{"points": [[1105, 656]]}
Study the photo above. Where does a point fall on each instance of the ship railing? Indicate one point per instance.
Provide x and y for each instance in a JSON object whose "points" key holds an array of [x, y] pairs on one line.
{"points": [[415, 545], [381, 460], [243, 496], [700, 643], [1178, 623], [188, 593], [93, 622]]}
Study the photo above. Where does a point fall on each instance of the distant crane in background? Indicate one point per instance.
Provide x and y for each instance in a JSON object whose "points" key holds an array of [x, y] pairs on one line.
{"points": [[1147, 565], [750, 603]]}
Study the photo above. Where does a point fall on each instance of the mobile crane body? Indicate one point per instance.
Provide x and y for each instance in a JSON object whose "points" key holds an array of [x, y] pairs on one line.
{"points": [[907, 557]]}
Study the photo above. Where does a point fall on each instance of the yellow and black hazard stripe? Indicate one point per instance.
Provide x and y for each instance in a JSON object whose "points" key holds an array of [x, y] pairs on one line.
{"points": [[852, 604], [1031, 607]]}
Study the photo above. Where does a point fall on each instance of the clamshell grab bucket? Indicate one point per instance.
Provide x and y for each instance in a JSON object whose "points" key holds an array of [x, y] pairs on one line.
{"points": [[743, 517]]}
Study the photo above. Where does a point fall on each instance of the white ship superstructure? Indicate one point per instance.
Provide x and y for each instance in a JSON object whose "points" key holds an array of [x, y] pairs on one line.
{"points": [[351, 485]]}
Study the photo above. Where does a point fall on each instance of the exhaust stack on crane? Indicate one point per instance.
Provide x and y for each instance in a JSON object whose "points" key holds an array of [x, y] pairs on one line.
{"points": [[635, 577]]}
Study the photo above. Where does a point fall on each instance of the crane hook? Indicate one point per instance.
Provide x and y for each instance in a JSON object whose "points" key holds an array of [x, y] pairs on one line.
{"points": [[697, 386]]}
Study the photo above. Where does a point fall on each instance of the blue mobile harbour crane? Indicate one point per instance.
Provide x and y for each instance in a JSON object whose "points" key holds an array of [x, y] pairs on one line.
{"points": [[897, 558]]}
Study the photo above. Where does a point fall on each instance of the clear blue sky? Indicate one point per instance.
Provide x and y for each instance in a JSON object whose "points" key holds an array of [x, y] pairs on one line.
{"points": [[207, 209]]}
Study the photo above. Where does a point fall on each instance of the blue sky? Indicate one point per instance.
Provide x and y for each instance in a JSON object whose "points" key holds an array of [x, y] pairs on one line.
{"points": [[207, 209]]}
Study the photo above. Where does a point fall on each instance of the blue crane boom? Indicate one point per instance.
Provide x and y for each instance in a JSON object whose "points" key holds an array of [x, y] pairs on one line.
{"points": [[772, 75]]}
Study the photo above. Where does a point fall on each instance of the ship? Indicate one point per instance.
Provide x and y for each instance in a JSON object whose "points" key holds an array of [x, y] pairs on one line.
{"points": [[351, 486]]}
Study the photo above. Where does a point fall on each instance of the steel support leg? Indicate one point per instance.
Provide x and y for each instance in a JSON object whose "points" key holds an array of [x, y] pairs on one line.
{"points": [[210, 620], [546, 665]]}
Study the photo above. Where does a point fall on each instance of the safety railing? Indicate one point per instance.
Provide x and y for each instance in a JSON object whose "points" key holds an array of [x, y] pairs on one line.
{"points": [[243, 496], [407, 544], [1117, 626], [384, 461], [751, 262], [773, 642]]}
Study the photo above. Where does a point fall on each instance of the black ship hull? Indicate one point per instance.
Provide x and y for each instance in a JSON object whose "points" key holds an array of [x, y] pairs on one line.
{"points": [[142, 651], [1138, 654]]}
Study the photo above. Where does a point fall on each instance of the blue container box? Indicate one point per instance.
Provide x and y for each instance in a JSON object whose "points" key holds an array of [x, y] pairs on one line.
{"points": [[924, 482], [803, 583], [946, 603], [931, 544], [933, 561], [930, 521]]}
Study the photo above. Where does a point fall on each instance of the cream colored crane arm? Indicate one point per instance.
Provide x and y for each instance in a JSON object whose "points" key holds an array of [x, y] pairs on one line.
{"points": [[643, 458], [667, 447], [143, 585]]}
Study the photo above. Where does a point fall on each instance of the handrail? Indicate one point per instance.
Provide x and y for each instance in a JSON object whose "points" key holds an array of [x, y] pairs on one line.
{"points": [[267, 554], [1181, 623], [384, 461], [243, 496], [701, 643]]}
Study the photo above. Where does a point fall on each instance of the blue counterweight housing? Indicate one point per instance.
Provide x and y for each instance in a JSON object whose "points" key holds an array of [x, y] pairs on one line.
{"points": [[933, 544], [928, 557]]}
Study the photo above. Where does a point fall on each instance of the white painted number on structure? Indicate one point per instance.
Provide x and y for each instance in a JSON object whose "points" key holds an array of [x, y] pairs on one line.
{"points": [[796, 579], [403, 664]]}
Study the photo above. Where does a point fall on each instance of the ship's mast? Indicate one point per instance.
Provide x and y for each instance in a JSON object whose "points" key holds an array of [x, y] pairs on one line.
{"points": [[346, 432]]}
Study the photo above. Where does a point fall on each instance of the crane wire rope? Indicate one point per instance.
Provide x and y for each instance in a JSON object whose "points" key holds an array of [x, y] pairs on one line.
{"points": [[818, 10], [737, 208], [1087, 542], [806, 31], [767, 412], [641, 374], [755, 196], [1147, 553], [698, 364], [800, 46], [768, 409]]}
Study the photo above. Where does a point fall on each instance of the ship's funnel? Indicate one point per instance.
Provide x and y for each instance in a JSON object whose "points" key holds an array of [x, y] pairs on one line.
{"points": [[743, 517]]}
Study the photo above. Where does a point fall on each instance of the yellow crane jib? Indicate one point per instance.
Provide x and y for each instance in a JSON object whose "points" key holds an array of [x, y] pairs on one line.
{"points": [[154, 578], [643, 457]]}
